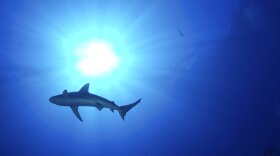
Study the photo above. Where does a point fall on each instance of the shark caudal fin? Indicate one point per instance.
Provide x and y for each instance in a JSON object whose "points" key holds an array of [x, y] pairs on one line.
{"points": [[124, 109]]}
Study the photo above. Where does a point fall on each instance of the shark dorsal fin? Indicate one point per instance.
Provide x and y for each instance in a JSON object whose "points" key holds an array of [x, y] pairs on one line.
{"points": [[84, 89], [65, 93], [76, 112]]}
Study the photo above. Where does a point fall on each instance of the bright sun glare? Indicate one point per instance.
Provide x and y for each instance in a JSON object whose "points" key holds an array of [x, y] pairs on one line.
{"points": [[96, 58]]}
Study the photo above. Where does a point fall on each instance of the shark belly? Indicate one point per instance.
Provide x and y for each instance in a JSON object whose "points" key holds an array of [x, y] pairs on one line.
{"points": [[98, 103], [84, 102], [109, 104]]}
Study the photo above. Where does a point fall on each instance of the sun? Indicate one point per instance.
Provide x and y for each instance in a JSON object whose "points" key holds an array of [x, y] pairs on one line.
{"points": [[96, 58]]}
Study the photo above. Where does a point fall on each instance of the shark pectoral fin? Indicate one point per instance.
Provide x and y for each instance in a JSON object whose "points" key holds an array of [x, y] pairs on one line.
{"points": [[112, 110], [76, 112]]}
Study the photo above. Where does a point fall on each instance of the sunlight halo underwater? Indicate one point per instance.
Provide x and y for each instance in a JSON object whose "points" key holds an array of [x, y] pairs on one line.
{"points": [[96, 58], [97, 55]]}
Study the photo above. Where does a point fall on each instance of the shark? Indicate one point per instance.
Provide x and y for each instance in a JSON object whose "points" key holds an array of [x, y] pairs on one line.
{"points": [[74, 100]]}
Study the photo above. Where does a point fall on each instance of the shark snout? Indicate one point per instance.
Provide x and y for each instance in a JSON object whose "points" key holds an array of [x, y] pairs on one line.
{"points": [[56, 100], [52, 99]]}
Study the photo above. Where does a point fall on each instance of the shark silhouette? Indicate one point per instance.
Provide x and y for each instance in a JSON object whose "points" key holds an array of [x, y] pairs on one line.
{"points": [[84, 98]]}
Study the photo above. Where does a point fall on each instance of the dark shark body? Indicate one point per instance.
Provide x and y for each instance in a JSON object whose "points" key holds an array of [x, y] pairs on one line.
{"points": [[84, 98]]}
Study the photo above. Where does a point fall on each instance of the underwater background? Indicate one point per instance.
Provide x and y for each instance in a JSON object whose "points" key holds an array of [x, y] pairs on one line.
{"points": [[208, 73]]}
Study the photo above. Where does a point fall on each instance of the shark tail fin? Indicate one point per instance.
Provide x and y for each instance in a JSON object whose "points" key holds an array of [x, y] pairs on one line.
{"points": [[124, 109]]}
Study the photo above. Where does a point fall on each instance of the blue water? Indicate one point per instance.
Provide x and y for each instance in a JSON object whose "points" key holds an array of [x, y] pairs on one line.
{"points": [[207, 72]]}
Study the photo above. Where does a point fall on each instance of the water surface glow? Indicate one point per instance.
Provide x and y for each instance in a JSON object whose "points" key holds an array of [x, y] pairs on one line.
{"points": [[96, 58]]}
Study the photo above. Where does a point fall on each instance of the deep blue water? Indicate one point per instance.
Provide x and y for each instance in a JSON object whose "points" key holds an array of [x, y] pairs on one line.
{"points": [[208, 73]]}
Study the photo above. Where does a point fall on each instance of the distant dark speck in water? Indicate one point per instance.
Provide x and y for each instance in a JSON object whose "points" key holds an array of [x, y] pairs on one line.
{"points": [[180, 32]]}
